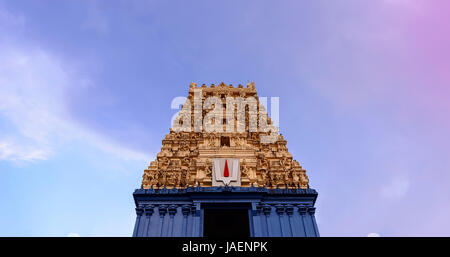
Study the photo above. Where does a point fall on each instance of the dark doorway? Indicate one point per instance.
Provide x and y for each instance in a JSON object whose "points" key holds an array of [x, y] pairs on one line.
{"points": [[224, 141], [219, 222]]}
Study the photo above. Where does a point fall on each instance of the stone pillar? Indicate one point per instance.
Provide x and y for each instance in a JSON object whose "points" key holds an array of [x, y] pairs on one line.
{"points": [[311, 212], [302, 210], [162, 212], [185, 209], [195, 221], [139, 212], [280, 211], [290, 212], [148, 215], [172, 212], [267, 209], [257, 220]]}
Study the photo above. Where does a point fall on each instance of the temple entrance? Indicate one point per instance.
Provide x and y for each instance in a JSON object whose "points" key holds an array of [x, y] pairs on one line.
{"points": [[223, 221]]}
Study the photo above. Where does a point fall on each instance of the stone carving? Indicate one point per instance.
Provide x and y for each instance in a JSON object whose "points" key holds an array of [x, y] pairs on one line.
{"points": [[245, 173], [208, 169], [185, 157]]}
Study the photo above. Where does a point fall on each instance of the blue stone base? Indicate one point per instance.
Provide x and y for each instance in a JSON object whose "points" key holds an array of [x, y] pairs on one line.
{"points": [[180, 212]]}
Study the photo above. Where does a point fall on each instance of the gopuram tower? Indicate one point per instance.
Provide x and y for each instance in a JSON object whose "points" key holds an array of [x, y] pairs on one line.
{"points": [[223, 170]]}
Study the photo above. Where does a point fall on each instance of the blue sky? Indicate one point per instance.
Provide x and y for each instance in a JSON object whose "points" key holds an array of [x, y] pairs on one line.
{"points": [[86, 87]]}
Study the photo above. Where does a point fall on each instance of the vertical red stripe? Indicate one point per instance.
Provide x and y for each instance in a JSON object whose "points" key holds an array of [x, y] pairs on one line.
{"points": [[226, 173]]}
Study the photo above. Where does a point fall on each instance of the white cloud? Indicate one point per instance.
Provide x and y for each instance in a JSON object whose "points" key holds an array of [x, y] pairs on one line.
{"points": [[73, 235], [34, 84], [17, 152], [373, 235], [33, 87]]}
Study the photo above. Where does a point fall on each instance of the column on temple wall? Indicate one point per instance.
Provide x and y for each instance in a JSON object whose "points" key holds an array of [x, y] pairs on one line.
{"points": [[309, 223], [256, 219], [191, 220], [267, 209], [311, 212], [139, 212], [185, 210], [162, 209], [149, 209], [287, 231], [290, 220], [197, 221], [177, 222], [172, 212], [250, 223], [302, 211], [283, 230]]}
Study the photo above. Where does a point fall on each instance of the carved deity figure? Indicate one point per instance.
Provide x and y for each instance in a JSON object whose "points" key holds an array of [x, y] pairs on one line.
{"points": [[208, 169], [245, 170]]}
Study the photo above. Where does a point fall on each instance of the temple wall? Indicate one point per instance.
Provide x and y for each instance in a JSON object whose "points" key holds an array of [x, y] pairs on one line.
{"points": [[280, 219], [286, 213]]}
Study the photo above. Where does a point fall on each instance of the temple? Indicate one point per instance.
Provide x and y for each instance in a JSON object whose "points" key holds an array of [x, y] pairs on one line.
{"points": [[223, 170]]}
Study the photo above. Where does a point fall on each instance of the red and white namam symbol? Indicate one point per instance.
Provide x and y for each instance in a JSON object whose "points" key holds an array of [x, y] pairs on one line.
{"points": [[226, 172]]}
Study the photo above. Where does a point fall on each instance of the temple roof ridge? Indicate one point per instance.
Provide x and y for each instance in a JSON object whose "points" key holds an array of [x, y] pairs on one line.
{"points": [[222, 85]]}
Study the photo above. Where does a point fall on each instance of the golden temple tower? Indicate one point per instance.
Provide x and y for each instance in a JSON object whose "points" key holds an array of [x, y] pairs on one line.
{"points": [[186, 156], [224, 171]]}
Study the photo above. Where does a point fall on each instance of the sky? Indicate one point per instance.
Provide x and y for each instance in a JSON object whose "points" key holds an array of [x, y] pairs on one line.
{"points": [[86, 88]]}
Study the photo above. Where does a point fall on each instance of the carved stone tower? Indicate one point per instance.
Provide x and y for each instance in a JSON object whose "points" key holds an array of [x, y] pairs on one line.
{"points": [[224, 170]]}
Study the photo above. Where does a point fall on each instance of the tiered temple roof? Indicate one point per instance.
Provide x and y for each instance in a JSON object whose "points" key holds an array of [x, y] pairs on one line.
{"points": [[186, 156]]}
